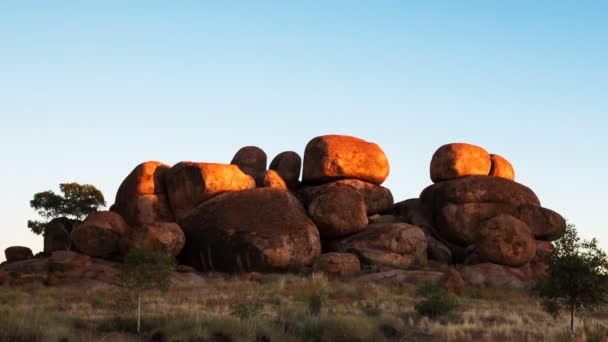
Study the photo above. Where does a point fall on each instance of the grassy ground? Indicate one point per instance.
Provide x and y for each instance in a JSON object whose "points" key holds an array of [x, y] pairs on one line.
{"points": [[293, 309]]}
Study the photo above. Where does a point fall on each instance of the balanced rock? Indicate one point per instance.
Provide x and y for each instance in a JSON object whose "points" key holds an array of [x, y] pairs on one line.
{"points": [[338, 211], [378, 199], [190, 184], [99, 234], [501, 167], [459, 159], [252, 161], [57, 234], [288, 165], [397, 245], [333, 157], [165, 237], [259, 230], [141, 197], [341, 264], [505, 240], [273, 180], [17, 253]]}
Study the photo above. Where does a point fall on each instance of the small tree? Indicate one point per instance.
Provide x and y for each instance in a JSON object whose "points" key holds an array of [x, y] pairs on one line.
{"points": [[76, 202], [577, 278], [146, 270]]}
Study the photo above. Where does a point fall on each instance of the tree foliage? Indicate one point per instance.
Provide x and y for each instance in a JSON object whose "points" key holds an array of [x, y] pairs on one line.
{"points": [[75, 202], [577, 278]]}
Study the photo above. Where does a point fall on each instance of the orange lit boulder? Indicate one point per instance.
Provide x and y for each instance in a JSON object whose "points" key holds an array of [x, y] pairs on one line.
{"points": [[252, 161], [260, 230], [333, 157], [341, 264], [99, 234], [501, 167], [273, 180], [190, 184], [459, 159], [397, 245], [338, 211], [166, 237], [288, 165], [141, 197], [505, 240], [378, 199], [17, 253]]}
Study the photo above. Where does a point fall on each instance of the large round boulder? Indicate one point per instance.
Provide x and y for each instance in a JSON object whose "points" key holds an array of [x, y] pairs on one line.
{"points": [[252, 161], [338, 211], [57, 234], [505, 240], [333, 157], [341, 264], [288, 165], [545, 224], [397, 245], [261, 230], [99, 234], [190, 184], [458, 160], [501, 167], [141, 197], [378, 199], [17, 253], [165, 237]]}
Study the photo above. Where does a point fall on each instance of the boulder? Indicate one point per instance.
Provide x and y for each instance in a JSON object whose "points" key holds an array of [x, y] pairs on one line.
{"points": [[273, 180], [338, 211], [378, 199], [17, 253], [397, 245], [458, 160], [544, 249], [438, 251], [333, 157], [165, 237], [63, 261], [57, 234], [495, 276], [34, 265], [252, 161], [99, 234], [340, 264], [501, 167], [459, 223], [259, 230], [288, 165], [452, 281], [142, 197], [190, 184], [505, 240], [544, 223]]}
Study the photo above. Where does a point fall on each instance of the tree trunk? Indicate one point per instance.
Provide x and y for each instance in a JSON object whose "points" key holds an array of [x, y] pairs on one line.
{"points": [[571, 322], [138, 313]]}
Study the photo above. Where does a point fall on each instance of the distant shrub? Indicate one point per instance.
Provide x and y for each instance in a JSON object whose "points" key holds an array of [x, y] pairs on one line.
{"points": [[246, 311], [436, 300]]}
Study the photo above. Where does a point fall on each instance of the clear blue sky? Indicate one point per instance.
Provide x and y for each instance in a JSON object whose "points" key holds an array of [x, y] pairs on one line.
{"points": [[89, 89]]}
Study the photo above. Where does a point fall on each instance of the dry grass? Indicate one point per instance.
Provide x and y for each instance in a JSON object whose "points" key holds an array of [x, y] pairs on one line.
{"points": [[228, 309]]}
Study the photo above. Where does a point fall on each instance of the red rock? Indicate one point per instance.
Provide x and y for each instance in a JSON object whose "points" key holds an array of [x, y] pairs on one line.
{"points": [[501, 167], [333, 157], [99, 234], [288, 165], [458, 160], [166, 237], [273, 180], [452, 281], [252, 161], [190, 184], [496, 276], [378, 199], [505, 240], [62, 261], [17, 253], [338, 211], [544, 249], [545, 224], [341, 264], [271, 232]]}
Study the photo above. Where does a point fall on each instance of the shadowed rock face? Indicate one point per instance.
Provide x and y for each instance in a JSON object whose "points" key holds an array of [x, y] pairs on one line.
{"points": [[337, 264], [166, 237], [141, 197], [505, 240], [252, 161], [17, 253], [260, 230], [378, 199], [497, 276], [57, 234], [333, 157], [99, 234], [288, 165], [456, 160], [501, 167], [190, 184]]}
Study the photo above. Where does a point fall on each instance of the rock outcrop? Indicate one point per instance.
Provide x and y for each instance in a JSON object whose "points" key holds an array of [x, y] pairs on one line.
{"points": [[17, 253], [166, 237], [341, 264], [99, 234]]}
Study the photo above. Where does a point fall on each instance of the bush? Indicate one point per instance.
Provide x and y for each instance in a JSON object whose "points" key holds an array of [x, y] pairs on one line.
{"points": [[436, 300], [246, 311]]}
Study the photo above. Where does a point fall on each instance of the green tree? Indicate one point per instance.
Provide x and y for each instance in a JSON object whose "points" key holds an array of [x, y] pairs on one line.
{"points": [[146, 270], [577, 278], [75, 203]]}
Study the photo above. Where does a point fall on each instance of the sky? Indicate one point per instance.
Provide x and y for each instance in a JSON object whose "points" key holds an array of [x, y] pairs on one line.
{"points": [[90, 89]]}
